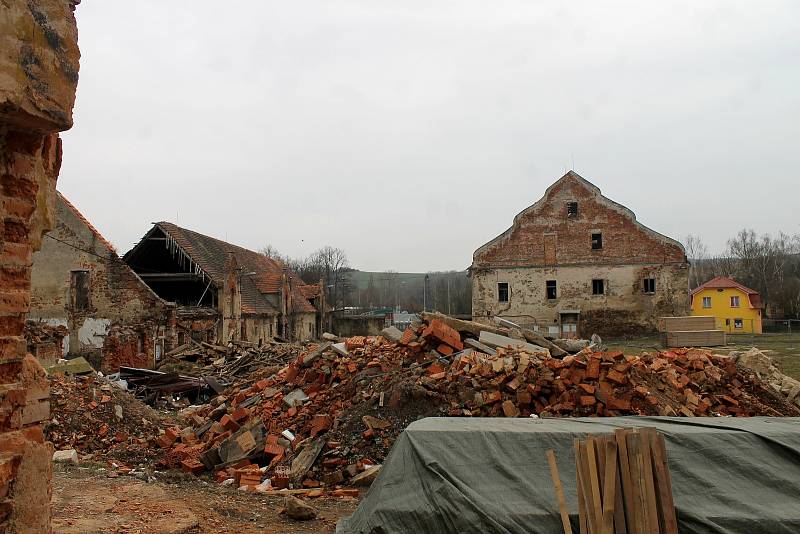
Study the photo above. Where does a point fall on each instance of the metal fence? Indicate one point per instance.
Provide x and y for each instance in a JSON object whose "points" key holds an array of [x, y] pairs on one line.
{"points": [[781, 326]]}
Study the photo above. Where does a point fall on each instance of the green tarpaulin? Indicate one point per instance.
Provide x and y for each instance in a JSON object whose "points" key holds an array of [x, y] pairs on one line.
{"points": [[729, 475]]}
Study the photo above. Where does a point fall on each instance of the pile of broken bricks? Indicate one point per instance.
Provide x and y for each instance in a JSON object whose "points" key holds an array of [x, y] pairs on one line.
{"points": [[313, 424]]}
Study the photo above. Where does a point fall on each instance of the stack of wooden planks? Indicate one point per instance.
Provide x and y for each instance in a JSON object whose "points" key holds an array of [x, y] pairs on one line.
{"points": [[623, 484], [691, 331]]}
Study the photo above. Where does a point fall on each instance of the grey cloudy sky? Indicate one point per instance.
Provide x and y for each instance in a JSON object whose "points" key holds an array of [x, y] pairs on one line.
{"points": [[410, 133]]}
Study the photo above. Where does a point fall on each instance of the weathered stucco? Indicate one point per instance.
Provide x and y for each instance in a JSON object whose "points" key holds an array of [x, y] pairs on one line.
{"points": [[117, 296], [545, 243]]}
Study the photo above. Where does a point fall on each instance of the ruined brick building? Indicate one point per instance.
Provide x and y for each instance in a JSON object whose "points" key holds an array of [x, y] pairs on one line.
{"points": [[225, 292], [112, 317], [38, 77], [575, 263]]}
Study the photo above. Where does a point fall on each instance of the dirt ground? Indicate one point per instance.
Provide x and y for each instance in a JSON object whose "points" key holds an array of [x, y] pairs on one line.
{"points": [[87, 501]]}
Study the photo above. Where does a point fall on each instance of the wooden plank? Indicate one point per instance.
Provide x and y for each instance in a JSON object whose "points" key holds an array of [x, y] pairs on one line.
{"points": [[619, 506], [582, 513], [595, 501], [587, 491], [649, 483], [562, 502], [640, 520], [668, 520], [609, 484], [625, 476]]}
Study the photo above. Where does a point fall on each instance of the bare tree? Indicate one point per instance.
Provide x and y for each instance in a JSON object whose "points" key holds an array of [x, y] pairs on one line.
{"points": [[697, 252], [271, 252]]}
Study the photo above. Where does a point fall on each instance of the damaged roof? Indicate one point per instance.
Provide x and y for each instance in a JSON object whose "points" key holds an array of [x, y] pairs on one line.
{"points": [[261, 276]]}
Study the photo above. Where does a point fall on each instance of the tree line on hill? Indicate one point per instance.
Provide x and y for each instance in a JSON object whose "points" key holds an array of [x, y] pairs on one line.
{"points": [[348, 288]]}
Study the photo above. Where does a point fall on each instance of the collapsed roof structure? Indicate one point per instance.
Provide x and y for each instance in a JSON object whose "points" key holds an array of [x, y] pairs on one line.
{"points": [[226, 292]]}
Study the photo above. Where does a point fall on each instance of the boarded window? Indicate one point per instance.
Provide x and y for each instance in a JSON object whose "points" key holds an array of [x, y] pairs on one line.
{"points": [[551, 289], [79, 285], [706, 302], [550, 249], [649, 285], [502, 292], [572, 209], [734, 302], [597, 241], [598, 287]]}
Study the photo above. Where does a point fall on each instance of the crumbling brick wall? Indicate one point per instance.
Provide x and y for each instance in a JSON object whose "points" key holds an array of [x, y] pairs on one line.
{"points": [[119, 302], [546, 242], [38, 77]]}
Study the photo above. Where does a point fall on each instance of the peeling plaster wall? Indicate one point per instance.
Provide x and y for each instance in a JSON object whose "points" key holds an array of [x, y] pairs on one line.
{"points": [[544, 243], [117, 296]]}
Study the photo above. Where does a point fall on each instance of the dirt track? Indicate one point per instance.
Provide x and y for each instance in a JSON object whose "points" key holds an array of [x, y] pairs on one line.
{"points": [[86, 501]]}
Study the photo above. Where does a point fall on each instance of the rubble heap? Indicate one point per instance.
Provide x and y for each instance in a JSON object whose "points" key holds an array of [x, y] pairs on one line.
{"points": [[764, 368], [237, 359], [330, 416], [101, 421]]}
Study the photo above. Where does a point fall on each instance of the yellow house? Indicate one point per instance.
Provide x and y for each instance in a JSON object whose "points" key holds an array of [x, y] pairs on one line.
{"points": [[737, 308]]}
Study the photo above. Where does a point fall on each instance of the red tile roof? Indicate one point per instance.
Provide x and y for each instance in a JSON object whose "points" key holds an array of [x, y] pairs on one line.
{"points": [[723, 282]]}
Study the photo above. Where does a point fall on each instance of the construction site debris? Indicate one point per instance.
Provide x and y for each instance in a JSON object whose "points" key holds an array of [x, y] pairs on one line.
{"points": [[101, 422], [332, 422]]}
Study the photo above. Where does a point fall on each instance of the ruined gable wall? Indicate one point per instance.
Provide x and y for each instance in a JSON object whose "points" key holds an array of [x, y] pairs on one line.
{"points": [[545, 244], [117, 297], [38, 77], [624, 241]]}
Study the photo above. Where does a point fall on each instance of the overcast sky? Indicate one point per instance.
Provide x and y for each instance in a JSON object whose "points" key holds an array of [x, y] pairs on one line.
{"points": [[410, 133]]}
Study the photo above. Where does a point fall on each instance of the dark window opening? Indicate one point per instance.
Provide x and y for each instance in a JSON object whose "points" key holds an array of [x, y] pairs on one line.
{"points": [[738, 323], [502, 292], [649, 285], [80, 290], [572, 209], [597, 241], [598, 287], [551, 289]]}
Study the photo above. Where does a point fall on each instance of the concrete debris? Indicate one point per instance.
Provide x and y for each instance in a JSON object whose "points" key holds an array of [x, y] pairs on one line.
{"points": [[299, 510], [497, 341], [392, 333], [66, 456], [75, 366], [367, 477]]}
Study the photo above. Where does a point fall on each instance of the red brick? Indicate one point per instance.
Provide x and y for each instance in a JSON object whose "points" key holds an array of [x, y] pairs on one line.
{"points": [[593, 368]]}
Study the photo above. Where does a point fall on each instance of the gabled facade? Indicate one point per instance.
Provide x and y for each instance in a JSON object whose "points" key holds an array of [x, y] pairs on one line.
{"points": [[736, 308], [225, 292], [575, 263], [78, 281]]}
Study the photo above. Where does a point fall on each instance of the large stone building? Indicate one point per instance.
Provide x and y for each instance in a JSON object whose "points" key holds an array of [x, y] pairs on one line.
{"points": [[38, 76], [112, 317], [225, 292], [576, 263]]}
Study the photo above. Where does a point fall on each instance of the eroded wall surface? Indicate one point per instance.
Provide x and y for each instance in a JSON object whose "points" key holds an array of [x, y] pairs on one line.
{"points": [[120, 304], [547, 242], [38, 78]]}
